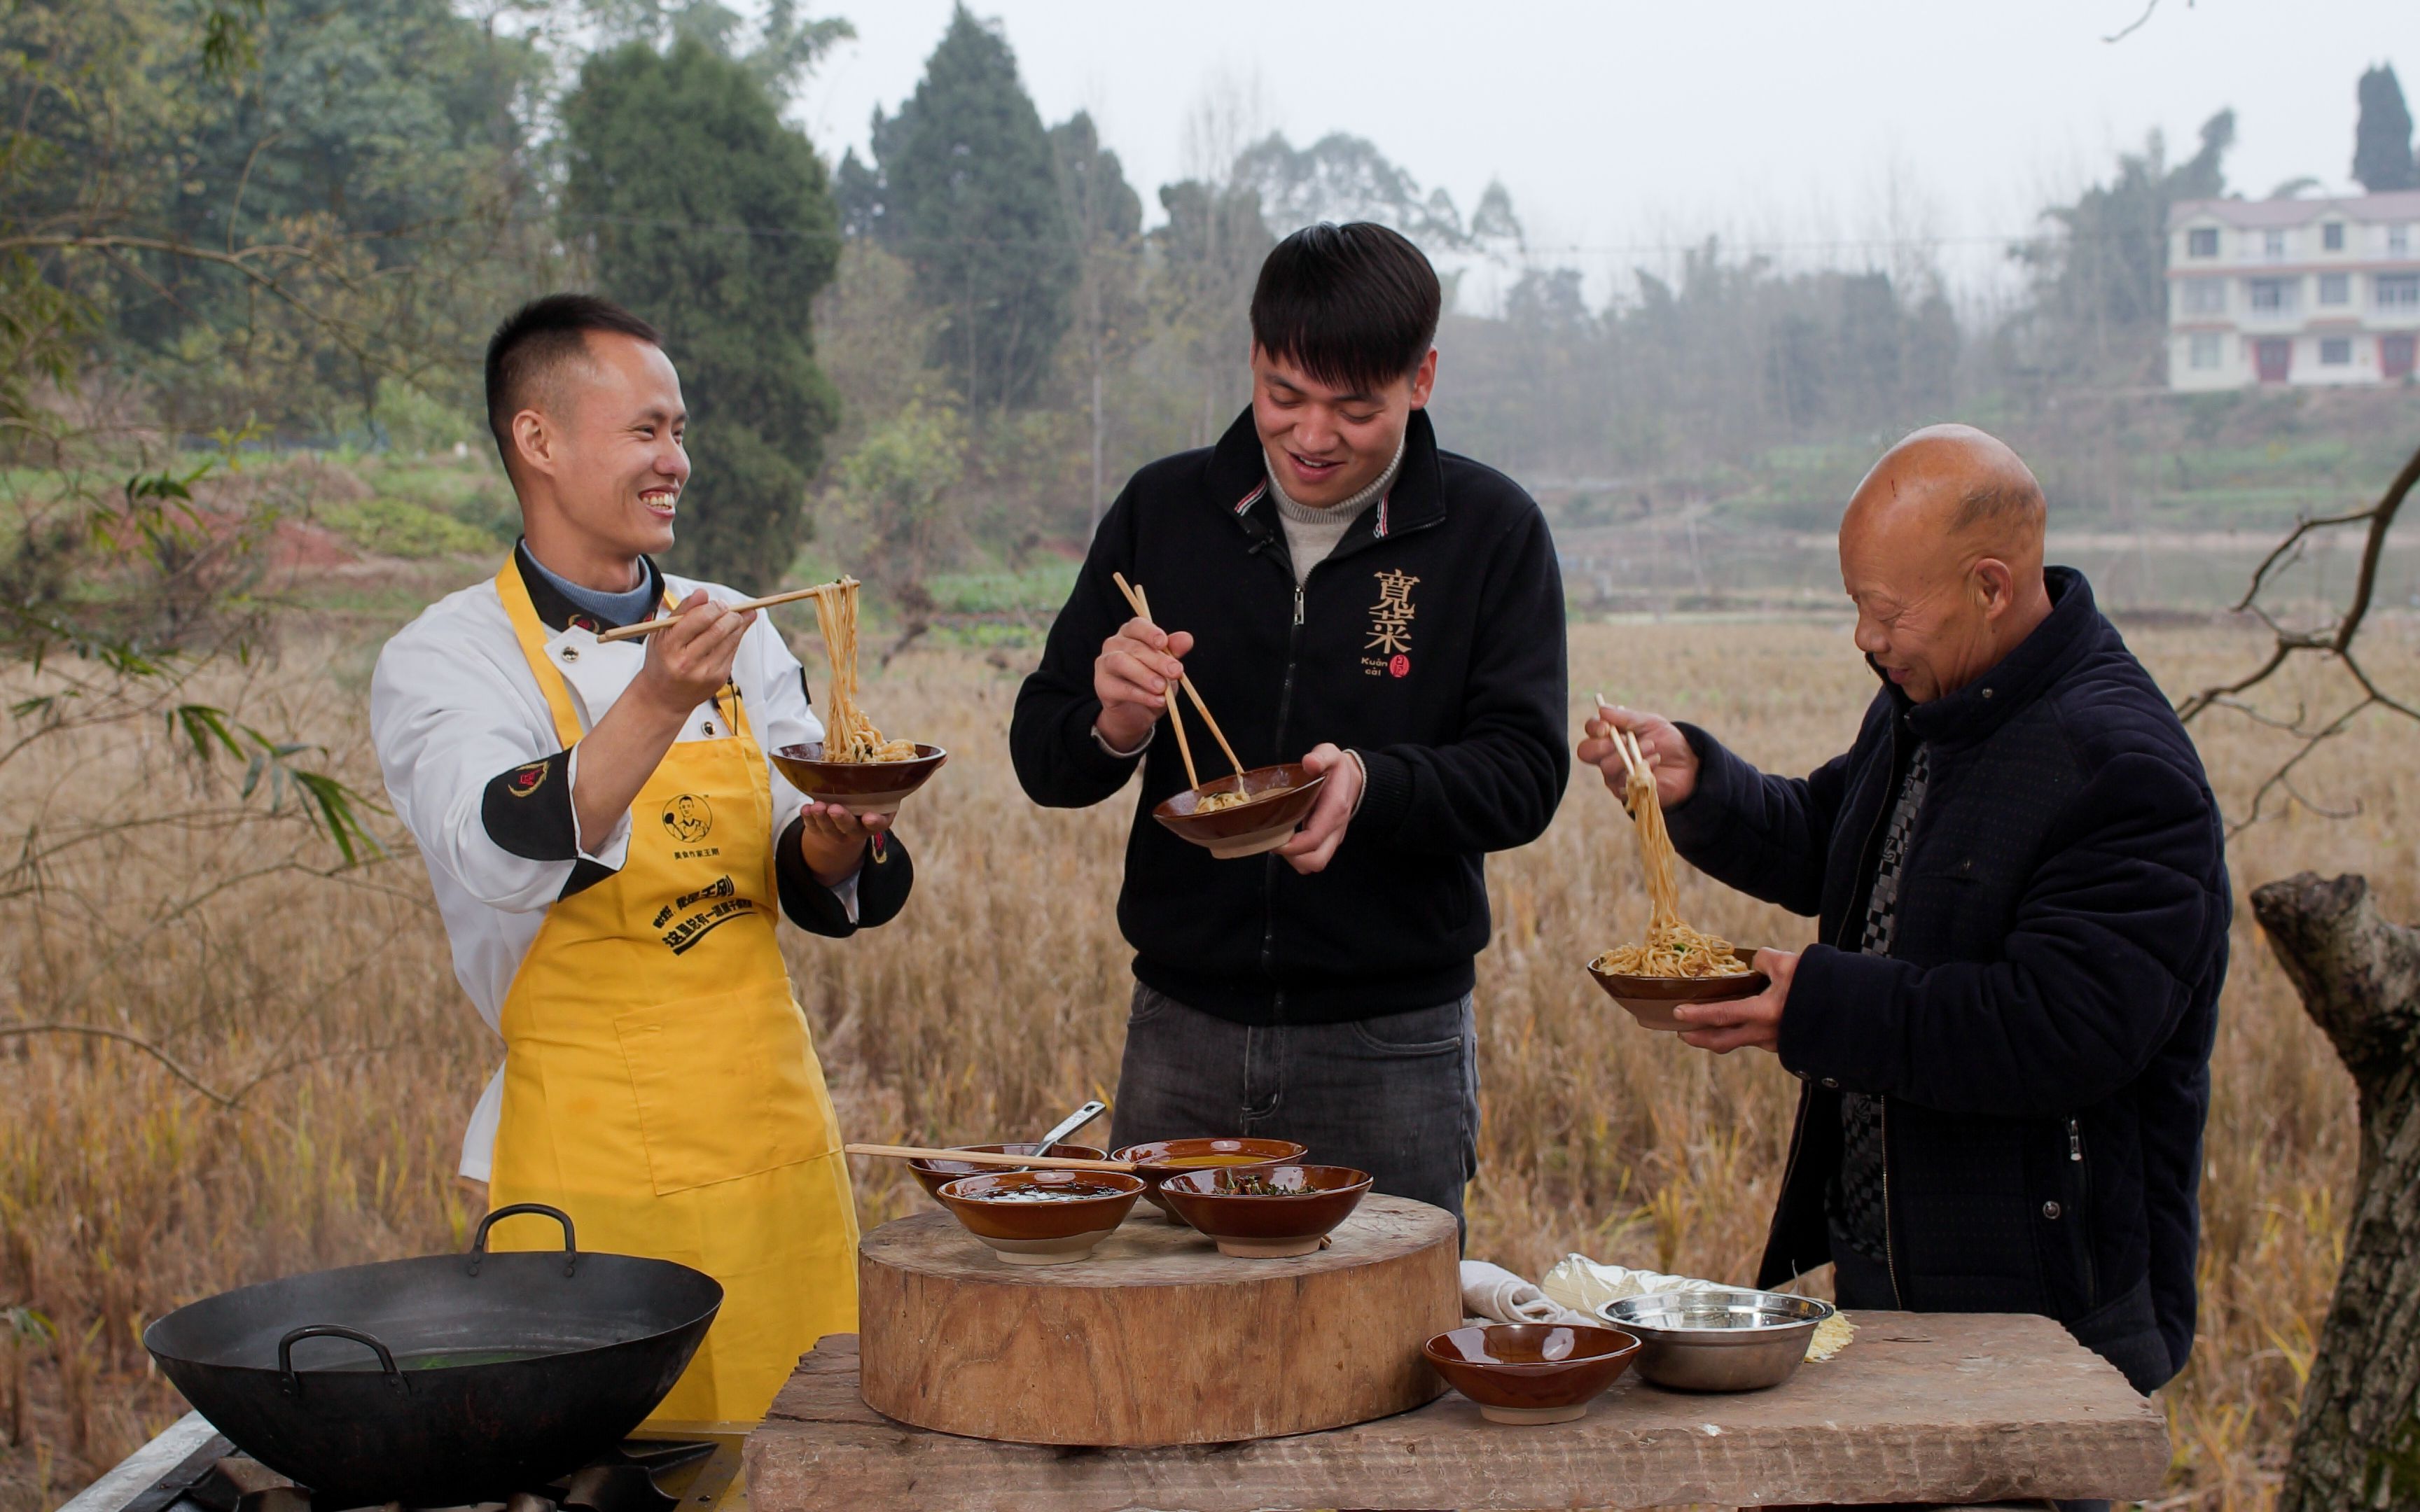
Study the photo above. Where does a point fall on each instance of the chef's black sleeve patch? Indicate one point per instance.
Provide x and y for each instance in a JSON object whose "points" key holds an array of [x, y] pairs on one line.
{"points": [[884, 876], [585, 874], [527, 809]]}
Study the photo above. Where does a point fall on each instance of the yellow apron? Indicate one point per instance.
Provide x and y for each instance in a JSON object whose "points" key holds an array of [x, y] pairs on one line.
{"points": [[659, 1083]]}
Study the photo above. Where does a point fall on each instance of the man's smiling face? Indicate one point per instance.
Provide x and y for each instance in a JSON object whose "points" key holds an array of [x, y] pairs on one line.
{"points": [[1325, 444], [624, 427]]}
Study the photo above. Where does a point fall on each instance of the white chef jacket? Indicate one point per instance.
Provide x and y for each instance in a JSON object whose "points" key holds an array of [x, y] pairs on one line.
{"points": [[454, 703]]}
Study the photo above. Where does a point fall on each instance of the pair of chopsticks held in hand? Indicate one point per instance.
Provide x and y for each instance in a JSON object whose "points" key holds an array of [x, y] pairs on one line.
{"points": [[632, 632], [1141, 606], [1625, 744]]}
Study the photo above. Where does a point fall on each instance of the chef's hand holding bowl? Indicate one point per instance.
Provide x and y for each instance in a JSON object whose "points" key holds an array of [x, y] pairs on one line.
{"points": [[1723, 1027]]}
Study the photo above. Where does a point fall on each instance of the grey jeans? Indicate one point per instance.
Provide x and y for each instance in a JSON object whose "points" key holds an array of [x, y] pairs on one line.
{"points": [[1396, 1096]]}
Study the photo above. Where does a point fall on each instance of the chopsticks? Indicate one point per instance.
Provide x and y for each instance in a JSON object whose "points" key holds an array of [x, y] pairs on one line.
{"points": [[980, 1157], [1143, 606], [1625, 744], [632, 632]]}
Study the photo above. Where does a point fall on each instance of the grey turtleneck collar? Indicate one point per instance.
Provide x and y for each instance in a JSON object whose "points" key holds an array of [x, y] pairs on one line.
{"points": [[1311, 531]]}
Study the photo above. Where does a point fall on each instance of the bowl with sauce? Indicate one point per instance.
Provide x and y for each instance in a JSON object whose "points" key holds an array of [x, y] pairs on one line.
{"points": [[1041, 1217], [1243, 814], [1652, 999], [860, 787], [1530, 1372], [1264, 1213], [1160, 1159], [933, 1175]]}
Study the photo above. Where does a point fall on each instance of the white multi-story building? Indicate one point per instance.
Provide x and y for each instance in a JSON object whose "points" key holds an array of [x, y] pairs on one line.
{"points": [[2301, 291]]}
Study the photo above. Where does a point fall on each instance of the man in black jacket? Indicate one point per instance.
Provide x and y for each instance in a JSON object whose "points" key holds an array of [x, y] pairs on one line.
{"points": [[2005, 1034], [1390, 614]]}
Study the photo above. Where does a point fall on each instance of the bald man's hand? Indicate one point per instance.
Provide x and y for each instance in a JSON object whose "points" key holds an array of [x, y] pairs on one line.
{"points": [[1669, 754]]}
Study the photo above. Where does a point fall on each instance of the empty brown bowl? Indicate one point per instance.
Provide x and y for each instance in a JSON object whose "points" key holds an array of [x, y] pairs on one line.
{"points": [[1530, 1372], [1280, 798], [1233, 1206], [932, 1175], [1652, 999], [1041, 1217], [1160, 1159], [860, 787]]}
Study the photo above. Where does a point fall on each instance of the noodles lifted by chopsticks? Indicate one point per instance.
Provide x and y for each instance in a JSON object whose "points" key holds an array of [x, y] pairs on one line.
{"points": [[1672, 949], [849, 735]]}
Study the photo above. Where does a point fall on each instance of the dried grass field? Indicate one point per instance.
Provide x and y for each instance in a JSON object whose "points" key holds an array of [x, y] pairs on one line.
{"points": [[154, 903]]}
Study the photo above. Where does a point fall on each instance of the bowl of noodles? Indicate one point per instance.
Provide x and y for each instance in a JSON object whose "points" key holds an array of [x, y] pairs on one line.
{"points": [[854, 765], [1675, 964], [1244, 814]]}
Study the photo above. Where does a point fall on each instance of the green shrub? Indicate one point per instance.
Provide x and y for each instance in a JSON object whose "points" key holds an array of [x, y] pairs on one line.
{"points": [[395, 528]]}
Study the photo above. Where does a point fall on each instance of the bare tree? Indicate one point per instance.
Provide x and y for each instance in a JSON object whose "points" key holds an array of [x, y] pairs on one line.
{"points": [[2357, 1437]]}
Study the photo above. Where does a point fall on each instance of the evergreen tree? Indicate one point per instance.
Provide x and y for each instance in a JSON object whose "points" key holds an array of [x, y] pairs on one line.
{"points": [[707, 216], [2382, 142], [968, 191], [1106, 216], [2099, 294]]}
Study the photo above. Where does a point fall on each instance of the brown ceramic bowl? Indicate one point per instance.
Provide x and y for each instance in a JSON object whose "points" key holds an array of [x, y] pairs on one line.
{"points": [[860, 787], [1281, 797], [1255, 1225], [1652, 999], [1530, 1372], [1027, 1231], [1160, 1159], [933, 1175]]}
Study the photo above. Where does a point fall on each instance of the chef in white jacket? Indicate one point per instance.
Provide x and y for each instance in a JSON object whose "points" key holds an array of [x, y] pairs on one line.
{"points": [[610, 846]]}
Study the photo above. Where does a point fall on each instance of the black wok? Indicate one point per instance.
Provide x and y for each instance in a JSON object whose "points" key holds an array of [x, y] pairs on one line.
{"points": [[444, 1379]]}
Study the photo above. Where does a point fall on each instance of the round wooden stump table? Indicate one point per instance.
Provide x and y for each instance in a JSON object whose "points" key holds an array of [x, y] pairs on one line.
{"points": [[1156, 1339]]}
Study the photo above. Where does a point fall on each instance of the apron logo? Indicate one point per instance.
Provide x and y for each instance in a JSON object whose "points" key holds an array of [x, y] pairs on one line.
{"points": [[1391, 626], [527, 780], [688, 819], [705, 921], [719, 887]]}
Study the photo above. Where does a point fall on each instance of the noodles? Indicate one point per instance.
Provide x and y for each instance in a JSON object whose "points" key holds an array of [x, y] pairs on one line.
{"points": [[1672, 949], [1212, 802], [849, 735]]}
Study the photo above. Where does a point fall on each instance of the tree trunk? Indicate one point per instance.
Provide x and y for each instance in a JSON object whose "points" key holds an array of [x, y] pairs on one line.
{"points": [[2357, 1444]]}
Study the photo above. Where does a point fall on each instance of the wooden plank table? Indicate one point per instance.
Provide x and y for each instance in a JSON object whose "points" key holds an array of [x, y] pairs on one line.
{"points": [[1956, 1408]]}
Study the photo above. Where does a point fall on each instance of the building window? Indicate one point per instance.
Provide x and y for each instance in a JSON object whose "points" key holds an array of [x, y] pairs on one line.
{"points": [[2332, 236], [2274, 296], [2398, 291], [2203, 349], [2202, 241], [2273, 245], [2336, 288], [2398, 241], [2205, 295], [2395, 357], [2335, 351]]}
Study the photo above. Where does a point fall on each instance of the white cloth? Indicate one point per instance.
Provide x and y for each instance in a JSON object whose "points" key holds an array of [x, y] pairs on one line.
{"points": [[454, 703], [1497, 1294], [1584, 1286]]}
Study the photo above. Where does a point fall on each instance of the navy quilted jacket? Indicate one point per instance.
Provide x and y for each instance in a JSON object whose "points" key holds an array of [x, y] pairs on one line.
{"points": [[2041, 1033]]}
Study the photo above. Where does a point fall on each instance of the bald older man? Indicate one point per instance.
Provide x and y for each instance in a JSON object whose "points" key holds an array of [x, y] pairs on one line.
{"points": [[2005, 1031]]}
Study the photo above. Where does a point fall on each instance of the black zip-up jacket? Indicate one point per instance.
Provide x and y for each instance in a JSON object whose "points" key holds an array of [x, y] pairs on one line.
{"points": [[1430, 641], [2041, 1032]]}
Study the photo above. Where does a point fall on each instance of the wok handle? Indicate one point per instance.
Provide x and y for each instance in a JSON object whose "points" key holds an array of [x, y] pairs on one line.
{"points": [[570, 1244], [292, 1384]]}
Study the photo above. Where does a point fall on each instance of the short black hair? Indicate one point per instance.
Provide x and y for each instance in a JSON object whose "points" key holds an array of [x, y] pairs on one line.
{"points": [[538, 337], [1355, 306]]}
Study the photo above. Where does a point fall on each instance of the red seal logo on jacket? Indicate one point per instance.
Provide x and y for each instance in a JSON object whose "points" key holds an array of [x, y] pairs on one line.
{"points": [[1400, 665]]}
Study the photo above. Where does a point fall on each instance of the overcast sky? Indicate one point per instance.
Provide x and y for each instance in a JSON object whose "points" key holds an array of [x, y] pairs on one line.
{"points": [[1623, 129]]}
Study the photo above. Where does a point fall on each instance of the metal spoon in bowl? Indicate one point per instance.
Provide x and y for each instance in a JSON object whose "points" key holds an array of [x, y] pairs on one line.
{"points": [[1069, 1124]]}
